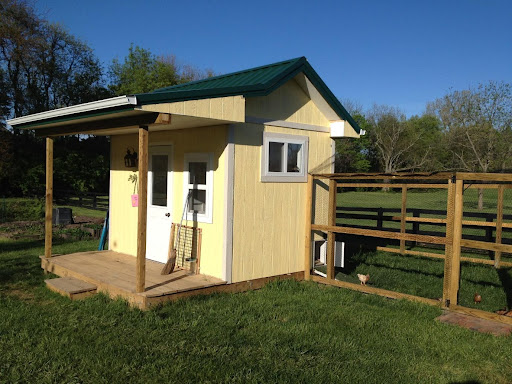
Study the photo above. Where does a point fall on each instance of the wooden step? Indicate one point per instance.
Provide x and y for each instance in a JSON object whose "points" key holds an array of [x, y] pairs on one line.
{"points": [[70, 287]]}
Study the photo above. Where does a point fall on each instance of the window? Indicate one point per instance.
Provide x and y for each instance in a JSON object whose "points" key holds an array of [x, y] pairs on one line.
{"points": [[198, 186], [284, 158]]}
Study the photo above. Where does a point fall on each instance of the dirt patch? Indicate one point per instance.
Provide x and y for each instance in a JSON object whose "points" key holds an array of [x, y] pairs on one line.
{"points": [[34, 230], [20, 294], [476, 324]]}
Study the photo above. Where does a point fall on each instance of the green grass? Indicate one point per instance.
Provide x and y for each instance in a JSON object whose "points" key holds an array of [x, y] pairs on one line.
{"points": [[423, 277], [287, 332]]}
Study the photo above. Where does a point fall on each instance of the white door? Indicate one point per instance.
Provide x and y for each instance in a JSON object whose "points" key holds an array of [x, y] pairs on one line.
{"points": [[159, 203]]}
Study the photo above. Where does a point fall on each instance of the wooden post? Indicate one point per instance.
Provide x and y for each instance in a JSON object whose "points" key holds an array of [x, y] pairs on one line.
{"points": [[416, 224], [380, 217], [457, 237], [448, 248], [331, 236], [307, 237], [49, 199], [198, 256], [142, 210], [402, 217], [499, 224]]}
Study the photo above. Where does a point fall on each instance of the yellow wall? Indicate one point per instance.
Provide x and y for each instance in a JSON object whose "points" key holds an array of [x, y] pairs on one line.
{"points": [[268, 218], [288, 103], [123, 219], [230, 108]]}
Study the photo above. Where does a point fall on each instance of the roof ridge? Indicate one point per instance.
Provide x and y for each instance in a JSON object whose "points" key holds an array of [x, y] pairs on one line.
{"points": [[177, 86]]}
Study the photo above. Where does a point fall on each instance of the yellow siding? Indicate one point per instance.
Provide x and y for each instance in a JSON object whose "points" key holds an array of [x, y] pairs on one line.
{"points": [[230, 108], [123, 221], [287, 103], [268, 218]]}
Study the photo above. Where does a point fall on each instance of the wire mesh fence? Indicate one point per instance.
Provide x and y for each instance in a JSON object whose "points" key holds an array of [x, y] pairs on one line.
{"points": [[445, 237], [188, 246]]}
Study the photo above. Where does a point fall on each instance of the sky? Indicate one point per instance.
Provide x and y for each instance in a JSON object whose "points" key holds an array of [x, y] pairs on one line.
{"points": [[398, 53]]}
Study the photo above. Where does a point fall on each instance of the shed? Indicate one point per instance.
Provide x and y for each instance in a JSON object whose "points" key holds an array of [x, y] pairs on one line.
{"points": [[229, 155]]}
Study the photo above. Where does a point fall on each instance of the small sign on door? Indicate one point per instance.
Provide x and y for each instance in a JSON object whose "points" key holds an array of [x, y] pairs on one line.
{"points": [[135, 200]]}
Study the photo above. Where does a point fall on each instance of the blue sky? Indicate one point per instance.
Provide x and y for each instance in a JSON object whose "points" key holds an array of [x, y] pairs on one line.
{"points": [[400, 53]]}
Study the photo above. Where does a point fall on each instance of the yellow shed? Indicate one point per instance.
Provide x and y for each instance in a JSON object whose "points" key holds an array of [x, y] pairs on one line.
{"points": [[225, 159]]}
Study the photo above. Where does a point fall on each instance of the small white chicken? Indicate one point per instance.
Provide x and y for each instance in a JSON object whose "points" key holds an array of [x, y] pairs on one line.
{"points": [[363, 278]]}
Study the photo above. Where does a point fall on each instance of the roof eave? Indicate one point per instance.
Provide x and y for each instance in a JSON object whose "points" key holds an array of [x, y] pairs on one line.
{"points": [[329, 96], [68, 112]]}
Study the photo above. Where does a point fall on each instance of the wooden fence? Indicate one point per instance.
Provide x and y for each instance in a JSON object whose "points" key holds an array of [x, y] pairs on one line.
{"points": [[452, 220], [91, 200]]}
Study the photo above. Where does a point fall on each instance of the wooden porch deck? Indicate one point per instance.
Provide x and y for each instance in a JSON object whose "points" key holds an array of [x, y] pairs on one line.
{"points": [[115, 274]]}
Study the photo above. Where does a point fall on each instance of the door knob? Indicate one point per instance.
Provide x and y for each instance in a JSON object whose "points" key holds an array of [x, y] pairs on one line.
{"points": [[167, 214]]}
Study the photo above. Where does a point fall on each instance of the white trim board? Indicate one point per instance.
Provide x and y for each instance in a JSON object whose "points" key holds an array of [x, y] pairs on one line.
{"points": [[287, 124], [227, 260], [206, 157], [80, 108]]}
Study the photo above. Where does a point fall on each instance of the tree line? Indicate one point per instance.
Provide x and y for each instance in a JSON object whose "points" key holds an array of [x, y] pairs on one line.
{"points": [[465, 130], [42, 67]]}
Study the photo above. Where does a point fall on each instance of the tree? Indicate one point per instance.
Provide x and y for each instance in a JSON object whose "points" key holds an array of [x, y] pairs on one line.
{"points": [[44, 67], [142, 72], [400, 145], [354, 155], [477, 123]]}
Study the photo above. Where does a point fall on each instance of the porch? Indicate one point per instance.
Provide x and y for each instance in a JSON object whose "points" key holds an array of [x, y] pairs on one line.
{"points": [[114, 273]]}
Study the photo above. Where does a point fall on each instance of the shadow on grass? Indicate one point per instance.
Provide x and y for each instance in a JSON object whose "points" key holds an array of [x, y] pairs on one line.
{"points": [[506, 281], [17, 269], [16, 246]]}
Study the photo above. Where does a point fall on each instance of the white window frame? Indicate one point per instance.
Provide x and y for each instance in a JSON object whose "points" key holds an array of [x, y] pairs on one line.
{"points": [[208, 159], [161, 150], [284, 176]]}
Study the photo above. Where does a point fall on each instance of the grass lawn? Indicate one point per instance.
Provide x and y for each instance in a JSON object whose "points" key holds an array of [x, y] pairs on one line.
{"points": [[423, 277], [287, 332]]}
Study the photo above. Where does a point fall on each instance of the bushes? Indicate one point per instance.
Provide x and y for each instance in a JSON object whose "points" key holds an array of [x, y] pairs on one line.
{"points": [[21, 209]]}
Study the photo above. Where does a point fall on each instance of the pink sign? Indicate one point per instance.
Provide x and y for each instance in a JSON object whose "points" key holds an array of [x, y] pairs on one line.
{"points": [[135, 200]]}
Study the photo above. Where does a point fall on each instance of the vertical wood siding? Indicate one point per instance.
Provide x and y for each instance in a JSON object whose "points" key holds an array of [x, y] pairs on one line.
{"points": [[268, 218], [123, 221]]}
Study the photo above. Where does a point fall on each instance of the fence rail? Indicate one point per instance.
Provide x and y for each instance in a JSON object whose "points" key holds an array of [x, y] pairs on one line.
{"points": [[486, 229], [92, 200]]}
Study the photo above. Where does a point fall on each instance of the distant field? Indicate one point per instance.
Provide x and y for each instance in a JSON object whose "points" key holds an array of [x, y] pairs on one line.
{"points": [[28, 209], [418, 200]]}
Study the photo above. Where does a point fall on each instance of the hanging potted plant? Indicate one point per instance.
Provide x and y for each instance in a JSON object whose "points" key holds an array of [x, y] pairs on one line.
{"points": [[135, 197]]}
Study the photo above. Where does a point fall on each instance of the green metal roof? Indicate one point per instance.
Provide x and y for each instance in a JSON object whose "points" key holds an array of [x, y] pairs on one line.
{"points": [[259, 81]]}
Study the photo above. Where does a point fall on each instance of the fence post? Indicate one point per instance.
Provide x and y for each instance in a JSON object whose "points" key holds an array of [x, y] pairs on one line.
{"points": [[499, 224], [448, 247], [403, 214], [416, 224], [307, 237], [380, 217], [331, 236], [452, 260], [95, 201]]}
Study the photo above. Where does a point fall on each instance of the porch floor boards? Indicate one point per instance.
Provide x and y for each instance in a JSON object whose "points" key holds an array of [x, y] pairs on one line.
{"points": [[114, 274]]}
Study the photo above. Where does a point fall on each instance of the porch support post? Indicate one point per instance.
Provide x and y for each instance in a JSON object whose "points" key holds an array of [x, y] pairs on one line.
{"points": [[331, 236], [49, 199], [142, 209]]}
